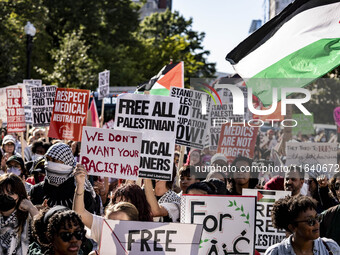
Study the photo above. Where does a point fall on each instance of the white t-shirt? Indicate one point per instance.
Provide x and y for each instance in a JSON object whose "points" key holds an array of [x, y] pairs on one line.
{"points": [[97, 228]]}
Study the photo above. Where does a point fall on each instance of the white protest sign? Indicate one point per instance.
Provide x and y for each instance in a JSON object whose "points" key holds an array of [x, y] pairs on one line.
{"points": [[228, 222], [220, 114], [320, 158], [156, 117], [111, 153], [266, 234], [103, 84], [42, 104], [137, 237], [3, 100], [32, 82], [28, 108], [192, 125]]}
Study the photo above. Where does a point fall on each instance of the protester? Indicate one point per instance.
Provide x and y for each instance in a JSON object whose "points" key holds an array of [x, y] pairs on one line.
{"points": [[330, 222], [318, 189], [242, 178], [37, 169], [219, 186], [59, 231], [201, 188], [334, 186], [294, 179], [16, 165], [28, 151], [297, 215], [120, 211], [194, 158], [58, 186], [16, 212], [8, 149], [164, 202], [186, 178], [133, 194]]}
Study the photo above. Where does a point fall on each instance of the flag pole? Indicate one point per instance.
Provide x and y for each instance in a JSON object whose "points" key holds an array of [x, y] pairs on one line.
{"points": [[102, 114]]}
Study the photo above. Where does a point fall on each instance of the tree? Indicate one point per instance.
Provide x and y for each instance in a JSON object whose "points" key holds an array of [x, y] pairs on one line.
{"points": [[73, 68], [168, 36]]}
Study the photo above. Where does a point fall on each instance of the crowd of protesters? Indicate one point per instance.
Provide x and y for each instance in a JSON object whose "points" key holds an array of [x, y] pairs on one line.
{"points": [[47, 200]]}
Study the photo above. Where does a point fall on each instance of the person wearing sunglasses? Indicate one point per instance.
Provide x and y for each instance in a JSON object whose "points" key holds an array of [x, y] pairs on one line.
{"points": [[298, 216], [59, 231], [330, 219]]}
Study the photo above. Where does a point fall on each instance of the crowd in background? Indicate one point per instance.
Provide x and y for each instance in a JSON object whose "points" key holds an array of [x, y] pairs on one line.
{"points": [[47, 200]]}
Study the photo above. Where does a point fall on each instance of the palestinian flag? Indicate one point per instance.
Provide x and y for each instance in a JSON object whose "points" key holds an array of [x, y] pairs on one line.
{"points": [[266, 196], [302, 42], [171, 75]]}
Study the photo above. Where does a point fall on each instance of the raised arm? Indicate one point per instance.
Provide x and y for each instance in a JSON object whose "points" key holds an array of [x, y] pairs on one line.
{"points": [[78, 200], [156, 209]]}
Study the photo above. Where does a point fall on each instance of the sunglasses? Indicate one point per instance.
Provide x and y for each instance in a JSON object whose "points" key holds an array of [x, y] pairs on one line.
{"points": [[310, 222], [67, 236], [337, 186]]}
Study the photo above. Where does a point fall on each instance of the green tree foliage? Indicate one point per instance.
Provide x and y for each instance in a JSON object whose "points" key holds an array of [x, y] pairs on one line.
{"points": [[168, 36], [72, 66], [112, 38]]}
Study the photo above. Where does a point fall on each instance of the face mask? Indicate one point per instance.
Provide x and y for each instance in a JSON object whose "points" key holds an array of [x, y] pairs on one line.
{"points": [[14, 170], [6, 203], [57, 173]]}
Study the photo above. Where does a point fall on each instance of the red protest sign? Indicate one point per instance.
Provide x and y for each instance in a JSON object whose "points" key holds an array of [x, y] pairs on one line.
{"points": [[15, 111], [237, 139], [69, 114]]}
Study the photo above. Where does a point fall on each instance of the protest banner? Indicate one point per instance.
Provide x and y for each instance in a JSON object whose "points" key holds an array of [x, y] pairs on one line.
{"points": [[336, 115], [266, 234], [156, 117], [304, 124], [137, 237], [237, 139], [28, 107], [316, 158], [192, 126], [15, 110], [3, 100], [103, 84], [42, 104], [111, 153], [69, 114], [221, 114], [228, 222]]}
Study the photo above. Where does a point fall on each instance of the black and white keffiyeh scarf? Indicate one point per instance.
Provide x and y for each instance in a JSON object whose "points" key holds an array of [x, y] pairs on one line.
{"points": [[170, 197], [9, 239]]}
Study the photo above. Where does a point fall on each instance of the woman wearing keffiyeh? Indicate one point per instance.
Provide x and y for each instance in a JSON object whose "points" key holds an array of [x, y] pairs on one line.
{"points": [[15, 213], [59, 184]]}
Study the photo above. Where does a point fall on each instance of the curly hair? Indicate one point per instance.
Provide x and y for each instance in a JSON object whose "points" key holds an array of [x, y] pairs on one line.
{"points": [[287, 209], [13, 183], [135, 195], [45, 230]]}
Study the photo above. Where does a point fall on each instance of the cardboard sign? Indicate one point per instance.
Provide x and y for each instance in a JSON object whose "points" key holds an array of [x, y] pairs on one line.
{"points": [[137, 237], [69, 114], [3, 100], [304, 124], [35, 83], [156, 117], [228, 222], [221, 114], [15, 111], [42, 104], [266, 234], [336, 115], [103, 84], [237, 139], [320, 158], [111, 153], [192, 125]]}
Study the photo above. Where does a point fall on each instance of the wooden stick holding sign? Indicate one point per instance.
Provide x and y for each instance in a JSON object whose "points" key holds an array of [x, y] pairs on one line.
{"points": [[102, 114]]}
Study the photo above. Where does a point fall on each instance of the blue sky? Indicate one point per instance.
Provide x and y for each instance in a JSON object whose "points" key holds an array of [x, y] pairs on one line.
{"points": [[225, 22]]}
